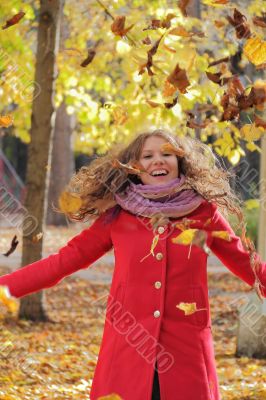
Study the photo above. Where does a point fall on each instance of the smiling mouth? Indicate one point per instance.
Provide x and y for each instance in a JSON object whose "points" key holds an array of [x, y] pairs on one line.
{"points": [[159, 173]]}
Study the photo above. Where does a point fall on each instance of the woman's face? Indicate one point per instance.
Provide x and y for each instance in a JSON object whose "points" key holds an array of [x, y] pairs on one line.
{"points": [[161, 167]]}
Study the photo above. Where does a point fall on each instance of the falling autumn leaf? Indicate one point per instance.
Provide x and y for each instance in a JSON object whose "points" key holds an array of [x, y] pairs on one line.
{"points": [[189, 308], [182, 4], [259, 122], [135, 168], [69, 202], [222, 2], [217, 62], [251, 132], [14, 20], [150, 54], [168, 147], [217, 78], [13, 246], [6, 121], [168, 89], [120, 115], [260, 21], [239, 22], [118, 26], [89, 59], [178, 78], [255, 50], [10, 302], [219, 24]]}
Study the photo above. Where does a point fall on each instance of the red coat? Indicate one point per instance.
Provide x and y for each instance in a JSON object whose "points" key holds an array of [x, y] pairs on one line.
{"points": [[142, 320]]}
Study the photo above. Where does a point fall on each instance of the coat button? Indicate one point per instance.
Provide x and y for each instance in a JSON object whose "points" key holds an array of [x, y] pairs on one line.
{"points": [[159, 256], [157, 314], [161, 230], [157, 284]]}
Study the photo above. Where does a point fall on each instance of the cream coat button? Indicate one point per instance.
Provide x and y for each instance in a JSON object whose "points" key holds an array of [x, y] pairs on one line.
{"points": [[161, 230], [159, 256], [157, 314], [157, 284]]}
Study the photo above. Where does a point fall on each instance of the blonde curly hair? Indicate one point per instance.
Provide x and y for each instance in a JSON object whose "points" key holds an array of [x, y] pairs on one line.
{"points": [[97, 183]]}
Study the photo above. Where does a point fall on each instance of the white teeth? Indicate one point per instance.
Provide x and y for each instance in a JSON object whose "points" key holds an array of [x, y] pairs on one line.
{"points": [[159, 172]]}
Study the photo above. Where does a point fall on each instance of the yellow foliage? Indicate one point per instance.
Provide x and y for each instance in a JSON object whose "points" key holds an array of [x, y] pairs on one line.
{"points": [[250, 132], [251, 204], [255, 50], [5, 298]]}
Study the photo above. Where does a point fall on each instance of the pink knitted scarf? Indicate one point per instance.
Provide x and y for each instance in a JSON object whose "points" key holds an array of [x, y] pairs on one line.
{"points": [[173, 199]]}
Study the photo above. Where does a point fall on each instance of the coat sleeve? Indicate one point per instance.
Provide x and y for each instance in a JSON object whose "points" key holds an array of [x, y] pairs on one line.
{"points": [[81, 251], [233, 254]]}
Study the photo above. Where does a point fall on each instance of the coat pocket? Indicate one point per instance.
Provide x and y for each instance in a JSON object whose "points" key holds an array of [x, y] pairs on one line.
{"points": [[192, 307], [115, 304]]}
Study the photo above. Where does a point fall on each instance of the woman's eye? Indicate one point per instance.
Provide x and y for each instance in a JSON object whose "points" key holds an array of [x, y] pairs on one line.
{"points": [[146, 156], [167, 155]]}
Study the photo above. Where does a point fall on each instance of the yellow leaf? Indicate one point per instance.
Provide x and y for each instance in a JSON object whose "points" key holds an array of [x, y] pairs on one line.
{"points": [[253, 147], [112, 396], [255, 50], [69, 202], [154, 243], [250, 132], [186, 237], [120, 115], [222, 235], [234, 156], [5, 298], [252, 203], [189, 308], [6, 121]]}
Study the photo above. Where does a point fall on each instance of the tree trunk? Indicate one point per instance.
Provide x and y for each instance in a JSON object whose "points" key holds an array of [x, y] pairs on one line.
{"points": [[39, 148], [62, 165]]}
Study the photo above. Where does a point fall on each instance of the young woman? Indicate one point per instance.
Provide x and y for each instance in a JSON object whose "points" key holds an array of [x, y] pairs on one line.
{"points": [[157, 340]]}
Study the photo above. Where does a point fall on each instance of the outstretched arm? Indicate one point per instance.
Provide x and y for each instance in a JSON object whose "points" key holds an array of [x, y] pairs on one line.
{"points": [[232, 254], [80, 252]]}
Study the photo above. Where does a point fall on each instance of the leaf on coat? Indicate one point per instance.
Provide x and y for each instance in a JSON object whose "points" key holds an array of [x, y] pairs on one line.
{"points": [[14, 20], [222, 235], [13, 246], [185, 223], [69, 202], [255, 50], [189, 308], [112, 396], [186, 237], [118, 26], [153, 245], [10, 302], [6, 121]]}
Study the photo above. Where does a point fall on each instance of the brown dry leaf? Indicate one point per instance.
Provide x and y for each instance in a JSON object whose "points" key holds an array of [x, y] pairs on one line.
{"points": [[178, 78], [189, 308], [168, 48], [255, 50], [180, 31], [193, 124], [36, 238], [219, 24], [220, 2], [259, 122], [239, 22], [120, 115], [13, 246], [153, 104], [260, 21], [168, 89], [217, 62], [217, 78], [89, 59], [14, 20], [135, 168], [150, 54], [6, 121], [182, 4], [118, 26], [147, 40], [69, 202], [169, 148]]}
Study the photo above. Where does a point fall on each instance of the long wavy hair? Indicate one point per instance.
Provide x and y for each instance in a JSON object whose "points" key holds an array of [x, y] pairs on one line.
{"points": [[97, 183]]}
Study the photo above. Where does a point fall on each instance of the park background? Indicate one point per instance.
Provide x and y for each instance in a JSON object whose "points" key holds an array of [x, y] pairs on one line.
{"points": [[78, 77]]}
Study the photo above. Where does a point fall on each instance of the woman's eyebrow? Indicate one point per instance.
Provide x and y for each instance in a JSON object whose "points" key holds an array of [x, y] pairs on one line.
{"points": [[146, 150]]}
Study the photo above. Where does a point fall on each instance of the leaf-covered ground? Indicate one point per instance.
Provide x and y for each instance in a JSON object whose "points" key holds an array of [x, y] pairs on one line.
{"points": [[56, 360]]}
